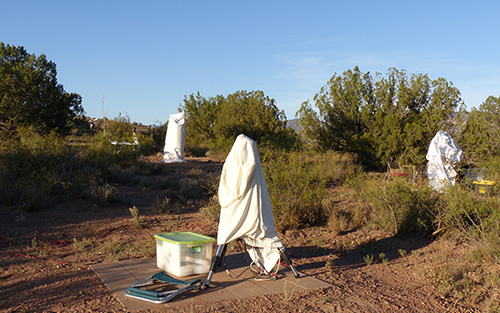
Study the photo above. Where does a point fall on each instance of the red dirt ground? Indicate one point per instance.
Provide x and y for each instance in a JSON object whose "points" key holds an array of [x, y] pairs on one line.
{"points": [[45, 258]]}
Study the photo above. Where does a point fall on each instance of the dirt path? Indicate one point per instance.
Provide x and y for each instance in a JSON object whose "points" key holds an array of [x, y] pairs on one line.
{"points": [[45, 259]]}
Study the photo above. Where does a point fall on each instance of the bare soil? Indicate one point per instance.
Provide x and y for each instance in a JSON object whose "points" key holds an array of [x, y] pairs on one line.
{"points": [[45, 259]]}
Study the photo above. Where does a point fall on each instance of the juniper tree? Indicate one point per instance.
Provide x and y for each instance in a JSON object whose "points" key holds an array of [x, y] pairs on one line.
{"points": [[381, 119], [30, 94]]}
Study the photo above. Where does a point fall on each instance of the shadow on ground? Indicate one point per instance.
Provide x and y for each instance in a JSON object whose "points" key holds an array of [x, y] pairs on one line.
{"points": [[389, 248]]}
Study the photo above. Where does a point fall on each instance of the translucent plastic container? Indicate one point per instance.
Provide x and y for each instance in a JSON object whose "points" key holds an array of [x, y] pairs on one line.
{"points": [[183, 253]]}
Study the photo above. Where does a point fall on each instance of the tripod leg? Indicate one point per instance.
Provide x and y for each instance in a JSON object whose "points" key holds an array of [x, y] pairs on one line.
{"points": [[219, 253], [288, 261]]}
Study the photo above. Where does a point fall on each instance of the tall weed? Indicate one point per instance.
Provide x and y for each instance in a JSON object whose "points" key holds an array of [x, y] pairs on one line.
{"points": [[163, 205]]}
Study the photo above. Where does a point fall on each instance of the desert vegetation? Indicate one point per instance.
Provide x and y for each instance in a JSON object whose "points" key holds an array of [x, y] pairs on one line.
{"points": [[356, 125]]}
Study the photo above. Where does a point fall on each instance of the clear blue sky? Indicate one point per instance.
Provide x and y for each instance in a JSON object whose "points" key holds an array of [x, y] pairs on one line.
{"points": [[143, 57]]}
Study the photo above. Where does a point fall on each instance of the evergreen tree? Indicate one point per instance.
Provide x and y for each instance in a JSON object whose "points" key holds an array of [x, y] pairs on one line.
{"points": [[30, 94], [216, 122], [480, 139], [382, 119]]}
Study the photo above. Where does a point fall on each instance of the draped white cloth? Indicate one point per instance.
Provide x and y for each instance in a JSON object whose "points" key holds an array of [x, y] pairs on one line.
{"points": [[173, 150], [246, 211], [443, 155]]}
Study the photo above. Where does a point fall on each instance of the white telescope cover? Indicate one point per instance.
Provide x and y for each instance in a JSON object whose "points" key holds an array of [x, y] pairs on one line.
{"points": [[246, 211], [443, 155], [174, 139]]}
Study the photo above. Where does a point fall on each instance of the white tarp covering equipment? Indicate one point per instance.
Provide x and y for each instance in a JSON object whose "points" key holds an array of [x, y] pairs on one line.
{"points": [[174, 139], [124, 143], [246, 211], [443, 155]]}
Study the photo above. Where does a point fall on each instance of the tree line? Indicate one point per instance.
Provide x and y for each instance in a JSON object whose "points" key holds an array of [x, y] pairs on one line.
{"points": [[380, 118]]}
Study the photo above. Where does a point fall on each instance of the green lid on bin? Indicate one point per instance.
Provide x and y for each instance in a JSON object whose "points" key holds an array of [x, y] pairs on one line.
{"points": [[184, 238]]}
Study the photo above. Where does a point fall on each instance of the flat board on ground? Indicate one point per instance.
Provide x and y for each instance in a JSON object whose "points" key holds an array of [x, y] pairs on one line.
{"points": [[233, 280]]}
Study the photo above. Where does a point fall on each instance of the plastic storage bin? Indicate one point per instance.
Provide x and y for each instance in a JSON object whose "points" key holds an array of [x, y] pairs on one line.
{"points": [[183, 253]]}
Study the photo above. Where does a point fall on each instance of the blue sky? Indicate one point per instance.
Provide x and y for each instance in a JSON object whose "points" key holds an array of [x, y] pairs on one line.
{"points": [[140, 58]]}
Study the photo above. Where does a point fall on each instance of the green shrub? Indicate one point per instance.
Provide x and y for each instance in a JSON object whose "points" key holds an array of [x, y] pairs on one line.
{"points": [[469, 217], [146, 144], [395, 205], [163, 205], [121, 175], [100, 152], [103, 195], [219, 147], [212, 209], [297, 184], [32, 167], [120, 129], [340, 220]]}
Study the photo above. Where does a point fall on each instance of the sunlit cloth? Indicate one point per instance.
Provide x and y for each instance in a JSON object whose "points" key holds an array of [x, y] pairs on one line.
{"points": [[246, 211], [443, 155], [174, 139]]}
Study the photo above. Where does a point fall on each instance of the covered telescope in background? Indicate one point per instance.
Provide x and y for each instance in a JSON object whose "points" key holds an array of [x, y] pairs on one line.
{"points": [[443, 155], [174, 139]]}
